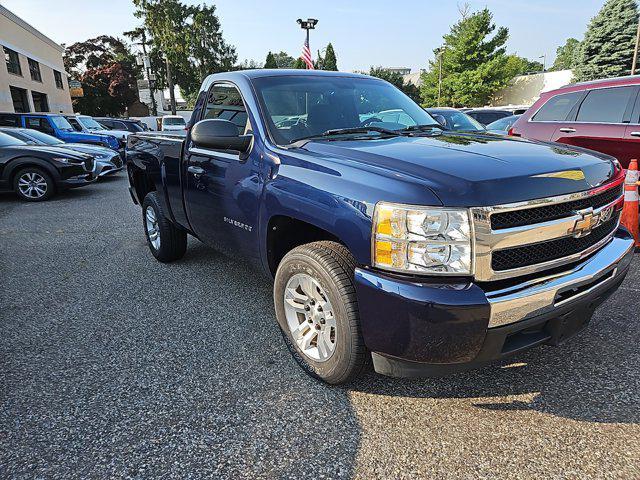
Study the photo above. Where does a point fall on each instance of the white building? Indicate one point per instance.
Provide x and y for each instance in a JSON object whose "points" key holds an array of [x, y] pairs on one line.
{"points": [[32, 77]]}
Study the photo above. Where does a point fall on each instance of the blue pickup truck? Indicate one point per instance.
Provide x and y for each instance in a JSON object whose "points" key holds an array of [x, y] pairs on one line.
{"points": [[389, 238], [58, 126]]}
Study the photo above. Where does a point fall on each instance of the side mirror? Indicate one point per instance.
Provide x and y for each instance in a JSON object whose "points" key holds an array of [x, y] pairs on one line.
{"points": [[219, 135], [440, 119]]}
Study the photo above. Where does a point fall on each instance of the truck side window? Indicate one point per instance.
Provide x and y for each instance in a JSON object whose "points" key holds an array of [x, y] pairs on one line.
{"points": [[557, 108], [38, 123], [75, 124], [225, 102]]}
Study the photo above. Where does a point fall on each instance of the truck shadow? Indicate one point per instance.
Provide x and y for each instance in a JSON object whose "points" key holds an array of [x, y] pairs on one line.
{"points": [[592, 378]]}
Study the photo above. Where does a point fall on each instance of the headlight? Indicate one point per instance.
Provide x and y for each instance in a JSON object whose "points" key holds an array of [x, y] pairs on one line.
{"points": [[68, 160], [428, 240]]}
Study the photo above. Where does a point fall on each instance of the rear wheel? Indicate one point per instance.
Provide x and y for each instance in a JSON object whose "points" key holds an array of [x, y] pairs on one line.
{"points": [[166, 242], [317, 311], [33, 184]]}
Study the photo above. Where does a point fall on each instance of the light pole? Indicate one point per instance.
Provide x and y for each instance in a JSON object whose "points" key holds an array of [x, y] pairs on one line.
{"points": [[544, 62], [308, 24]]}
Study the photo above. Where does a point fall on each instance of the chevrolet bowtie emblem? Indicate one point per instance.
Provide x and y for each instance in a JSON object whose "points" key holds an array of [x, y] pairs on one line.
{"points": [[589, 220]]}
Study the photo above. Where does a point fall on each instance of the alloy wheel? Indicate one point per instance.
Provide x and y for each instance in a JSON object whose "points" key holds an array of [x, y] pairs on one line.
{"points": [[310, 317], [153, 229], [32, 185]]}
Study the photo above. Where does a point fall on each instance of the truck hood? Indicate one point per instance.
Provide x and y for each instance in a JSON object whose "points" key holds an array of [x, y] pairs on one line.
{"points": [[476, 170]]}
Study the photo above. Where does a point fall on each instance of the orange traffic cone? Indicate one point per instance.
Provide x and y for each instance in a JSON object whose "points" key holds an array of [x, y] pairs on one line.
{"points": [[630, 211]]}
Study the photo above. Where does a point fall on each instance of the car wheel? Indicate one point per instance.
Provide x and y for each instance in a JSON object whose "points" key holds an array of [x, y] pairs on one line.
{"points": [[33, 184], [317, 311], [166, 242]]}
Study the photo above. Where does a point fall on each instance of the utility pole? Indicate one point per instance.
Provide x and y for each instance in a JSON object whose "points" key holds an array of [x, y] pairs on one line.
{"points": [[147, 67], [172, 95], [440, 52], [635, 52]]}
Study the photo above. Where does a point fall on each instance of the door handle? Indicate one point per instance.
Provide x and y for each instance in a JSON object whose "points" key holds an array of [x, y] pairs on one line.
{"points": [[567, 130], [635, 134], [196, 171]]}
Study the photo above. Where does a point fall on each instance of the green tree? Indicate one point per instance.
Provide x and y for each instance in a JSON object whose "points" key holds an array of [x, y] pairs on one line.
{"points": [[107, 70], [191, 38], [474, 63], [284, 60], [299, 64], [607, 48], [396, 79], [517, 65], [330, 61], [270, 61], [567, 55]]}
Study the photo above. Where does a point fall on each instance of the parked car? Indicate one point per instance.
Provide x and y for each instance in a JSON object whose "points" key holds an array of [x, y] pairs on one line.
{"points": [[57, 126], [455, 120], [502, 126], [36, 173], [488, 115], [603, 115], [127, 124], [85, 123], [172, 122], [106, 161], [429, 251]]}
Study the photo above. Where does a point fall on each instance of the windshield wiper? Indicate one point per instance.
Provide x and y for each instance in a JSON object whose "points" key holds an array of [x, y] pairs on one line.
{"points": [[423, 128], [350, 131]]}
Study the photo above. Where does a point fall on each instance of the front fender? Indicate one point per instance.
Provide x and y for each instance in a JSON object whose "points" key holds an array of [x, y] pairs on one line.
{"points": [[19, 162]]}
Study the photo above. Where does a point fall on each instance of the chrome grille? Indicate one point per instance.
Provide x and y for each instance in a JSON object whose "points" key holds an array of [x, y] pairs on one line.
{"points": [[542, 233], [529, 216], [544, 252]]}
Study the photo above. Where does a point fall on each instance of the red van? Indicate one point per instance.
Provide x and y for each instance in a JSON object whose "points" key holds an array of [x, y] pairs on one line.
{"points": [[602, 115]]}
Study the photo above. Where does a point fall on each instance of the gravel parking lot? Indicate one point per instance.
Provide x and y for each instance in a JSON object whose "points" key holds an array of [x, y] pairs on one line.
{"points": [[114, 365]]}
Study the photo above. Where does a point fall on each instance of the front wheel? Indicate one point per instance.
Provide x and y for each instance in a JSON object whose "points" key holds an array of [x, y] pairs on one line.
{"points": [[317, 311], [166, 241], [33, 184]]}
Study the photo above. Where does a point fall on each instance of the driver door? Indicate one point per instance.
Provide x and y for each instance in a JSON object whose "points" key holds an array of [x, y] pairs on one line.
{"points": [[223, 188]]}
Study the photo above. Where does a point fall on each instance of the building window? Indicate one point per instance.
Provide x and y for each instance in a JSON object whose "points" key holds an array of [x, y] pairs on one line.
{"points": [[13, 61], [58, 77], [40, 103], [34, 68], [19, 99]]}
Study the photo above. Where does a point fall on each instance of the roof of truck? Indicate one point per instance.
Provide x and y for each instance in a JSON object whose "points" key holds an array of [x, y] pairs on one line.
{"points": [[281, 72]]}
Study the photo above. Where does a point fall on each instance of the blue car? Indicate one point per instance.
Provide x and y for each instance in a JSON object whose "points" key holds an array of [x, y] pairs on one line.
{"points": [[57, 126]]}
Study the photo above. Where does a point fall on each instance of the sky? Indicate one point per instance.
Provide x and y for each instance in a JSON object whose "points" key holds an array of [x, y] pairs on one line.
{"points": [[373, 33]]}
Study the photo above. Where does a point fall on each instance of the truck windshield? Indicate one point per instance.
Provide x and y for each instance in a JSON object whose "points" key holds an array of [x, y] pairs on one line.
{"points": [[300, 106], [61, 123], [90, 124], [173, 121], [9, 141]]}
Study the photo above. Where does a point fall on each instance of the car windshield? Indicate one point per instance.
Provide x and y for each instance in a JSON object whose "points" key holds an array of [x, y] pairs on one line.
{"points": [[9, 141], [459, 121], [42, 137], [173, 121], [90, 123], [61, 123], [503, 123], [298, 107]]}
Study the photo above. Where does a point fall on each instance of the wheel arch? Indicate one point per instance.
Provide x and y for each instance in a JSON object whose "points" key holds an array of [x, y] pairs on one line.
{"points": [[18, 163]]}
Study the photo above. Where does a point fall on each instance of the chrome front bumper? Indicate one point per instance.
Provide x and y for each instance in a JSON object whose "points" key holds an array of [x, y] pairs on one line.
{"points": [[543, 295]]}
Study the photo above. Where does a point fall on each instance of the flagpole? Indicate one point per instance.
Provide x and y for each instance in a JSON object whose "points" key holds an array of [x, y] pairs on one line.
{"points": [[308, 24]]}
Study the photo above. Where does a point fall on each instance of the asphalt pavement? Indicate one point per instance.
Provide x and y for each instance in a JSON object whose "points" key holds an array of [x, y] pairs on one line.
{"points": [[113, 365]]}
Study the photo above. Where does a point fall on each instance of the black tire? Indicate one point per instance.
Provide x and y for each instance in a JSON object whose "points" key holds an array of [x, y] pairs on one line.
{"points": [[35, 173], [332, 267], [172, 243]]}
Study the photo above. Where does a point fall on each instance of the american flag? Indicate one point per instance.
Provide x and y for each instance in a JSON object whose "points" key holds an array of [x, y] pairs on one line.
{"points": [[306, 55]]}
